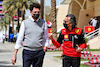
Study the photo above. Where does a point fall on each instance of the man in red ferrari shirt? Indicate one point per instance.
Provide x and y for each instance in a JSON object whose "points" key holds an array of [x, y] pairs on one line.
{"points": [[73, 42]]}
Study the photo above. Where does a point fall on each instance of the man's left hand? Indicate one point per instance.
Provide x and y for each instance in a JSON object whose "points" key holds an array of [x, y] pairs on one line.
{"points": [[78, 48]]}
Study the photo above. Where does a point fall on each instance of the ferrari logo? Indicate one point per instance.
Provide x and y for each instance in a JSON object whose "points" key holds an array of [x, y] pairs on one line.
{"points": [[89, 29], [77, 30], [65, 36], [50, 31]]}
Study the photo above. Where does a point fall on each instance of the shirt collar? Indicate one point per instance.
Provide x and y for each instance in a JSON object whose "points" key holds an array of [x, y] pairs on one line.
{"points": [[34, 20]]}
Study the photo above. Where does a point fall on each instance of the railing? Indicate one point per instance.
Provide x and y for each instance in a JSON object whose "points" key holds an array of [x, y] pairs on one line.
{"points": [[92, 34]]}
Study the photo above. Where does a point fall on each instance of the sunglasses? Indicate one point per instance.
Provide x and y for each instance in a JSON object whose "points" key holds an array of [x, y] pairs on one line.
{"points": [[38, 12]]}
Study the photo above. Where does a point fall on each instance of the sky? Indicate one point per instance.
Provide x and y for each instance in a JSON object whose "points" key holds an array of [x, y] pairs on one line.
{"points": [[47, 3]]}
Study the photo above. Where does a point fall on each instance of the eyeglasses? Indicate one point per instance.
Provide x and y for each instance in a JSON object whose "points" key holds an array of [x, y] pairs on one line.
{"points": [[38, 12]]}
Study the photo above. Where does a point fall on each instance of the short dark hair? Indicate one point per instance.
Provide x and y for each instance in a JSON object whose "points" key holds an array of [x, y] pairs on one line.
{"points": [[36, 5], [73, 19]]}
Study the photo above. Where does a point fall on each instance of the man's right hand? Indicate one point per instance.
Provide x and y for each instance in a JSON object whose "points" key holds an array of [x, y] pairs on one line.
{"points": [[13, 59]]}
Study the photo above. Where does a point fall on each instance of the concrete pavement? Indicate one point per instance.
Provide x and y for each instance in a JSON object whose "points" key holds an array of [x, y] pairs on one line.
{"points": [[7, 49], [51, 61], [6, 52]]}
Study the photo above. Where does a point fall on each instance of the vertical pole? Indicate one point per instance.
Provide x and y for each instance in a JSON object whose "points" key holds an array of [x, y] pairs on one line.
{"points": [[42, 9]]}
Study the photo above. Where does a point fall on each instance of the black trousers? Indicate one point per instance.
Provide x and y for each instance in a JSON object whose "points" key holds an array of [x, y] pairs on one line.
{"points": [[34, 58], [3, 40], [12, 41], [71, 61]]}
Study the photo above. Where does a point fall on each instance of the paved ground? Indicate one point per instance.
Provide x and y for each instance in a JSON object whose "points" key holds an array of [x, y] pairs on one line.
{"points": [[6, 52], [7, 49]]}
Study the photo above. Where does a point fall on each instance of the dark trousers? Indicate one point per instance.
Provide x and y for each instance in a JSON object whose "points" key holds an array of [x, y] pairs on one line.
{"points": [[11, 40], [34, 58], [71, 61], [3, 40]]}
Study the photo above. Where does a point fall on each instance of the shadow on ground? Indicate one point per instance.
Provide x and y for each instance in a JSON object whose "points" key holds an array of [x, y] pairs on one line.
{"points": [[1, 51], [4, 64], [9, 66]]}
